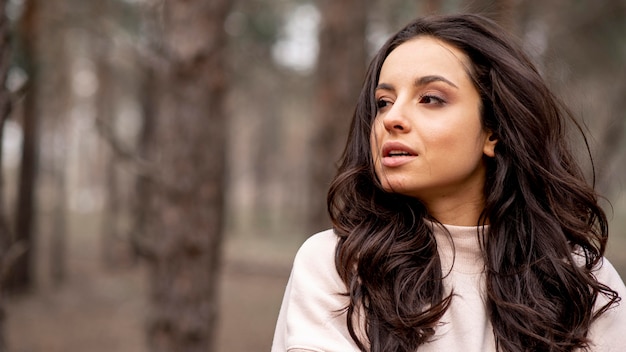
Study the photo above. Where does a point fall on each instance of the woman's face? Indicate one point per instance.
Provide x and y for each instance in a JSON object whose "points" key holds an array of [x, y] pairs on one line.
{"points": [[427, 139]]}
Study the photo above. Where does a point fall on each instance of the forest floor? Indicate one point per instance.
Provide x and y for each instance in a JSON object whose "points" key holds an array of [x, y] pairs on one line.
{"points": [[102, 309]]}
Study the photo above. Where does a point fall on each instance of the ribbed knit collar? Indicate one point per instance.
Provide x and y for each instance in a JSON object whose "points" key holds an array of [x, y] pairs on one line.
{"points": [[460, 249]]}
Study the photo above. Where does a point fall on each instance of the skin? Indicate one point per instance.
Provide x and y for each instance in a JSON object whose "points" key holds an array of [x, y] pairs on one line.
{"points": [[428, 140]]}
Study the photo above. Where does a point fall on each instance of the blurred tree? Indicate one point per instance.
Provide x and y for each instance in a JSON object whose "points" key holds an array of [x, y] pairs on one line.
{"points": [[105, 106], [585, 51], [55, 104], [20, 277], [5, 107], [501, 11], [257, 91], [140, 213], [579, 50], [340, 71], [185, 188], [431, 7], [118, 49]]}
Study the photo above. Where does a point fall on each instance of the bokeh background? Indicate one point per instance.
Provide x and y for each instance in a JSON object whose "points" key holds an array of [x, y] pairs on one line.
{"points": [[87, 82]]}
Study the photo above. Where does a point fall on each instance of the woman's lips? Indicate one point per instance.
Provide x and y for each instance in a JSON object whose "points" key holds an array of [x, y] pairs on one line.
{"points": [[395, 154]]}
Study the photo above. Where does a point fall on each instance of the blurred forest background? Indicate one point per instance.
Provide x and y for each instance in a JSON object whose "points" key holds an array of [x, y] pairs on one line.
{"points": [[162, 160]]}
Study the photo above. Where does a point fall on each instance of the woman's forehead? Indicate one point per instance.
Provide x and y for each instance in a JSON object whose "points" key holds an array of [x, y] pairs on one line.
{"points": [[422, 56]]}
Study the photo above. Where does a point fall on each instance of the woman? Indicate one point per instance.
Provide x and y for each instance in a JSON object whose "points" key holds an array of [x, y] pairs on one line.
{"points": [[461, 219]]}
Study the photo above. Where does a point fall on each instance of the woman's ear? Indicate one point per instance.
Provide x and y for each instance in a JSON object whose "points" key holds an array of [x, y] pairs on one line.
{"points": [[489, 148]]}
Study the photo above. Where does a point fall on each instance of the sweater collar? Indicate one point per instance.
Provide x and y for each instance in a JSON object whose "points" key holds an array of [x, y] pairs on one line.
{"points": [[459, 247]]}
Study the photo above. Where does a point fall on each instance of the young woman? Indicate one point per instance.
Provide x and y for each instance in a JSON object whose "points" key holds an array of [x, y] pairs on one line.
{"points": [[461, 219]]}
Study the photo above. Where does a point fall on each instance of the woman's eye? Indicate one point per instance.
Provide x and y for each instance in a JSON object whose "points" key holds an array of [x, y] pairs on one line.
{"points": [[382, 103], [431, 99]]}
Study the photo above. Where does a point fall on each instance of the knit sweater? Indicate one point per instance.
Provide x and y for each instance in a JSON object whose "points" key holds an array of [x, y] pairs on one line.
{"points": [[312, 318]]}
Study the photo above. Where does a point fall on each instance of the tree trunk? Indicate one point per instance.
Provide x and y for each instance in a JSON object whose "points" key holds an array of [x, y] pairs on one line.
{"points": [[340, 73], [430, 7], [55, 105], [5, 108], [105, 120], [186, 187], [140, 213], [20, 277]]}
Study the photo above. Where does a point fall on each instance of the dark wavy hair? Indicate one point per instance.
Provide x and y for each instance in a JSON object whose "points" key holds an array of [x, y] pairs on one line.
{"points": [[546, 230]]}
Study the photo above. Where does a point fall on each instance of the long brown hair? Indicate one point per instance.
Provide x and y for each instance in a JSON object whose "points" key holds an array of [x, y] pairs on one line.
{"points": [[546, 234]]}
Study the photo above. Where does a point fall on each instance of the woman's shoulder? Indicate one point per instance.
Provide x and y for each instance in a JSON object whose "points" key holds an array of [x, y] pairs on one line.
{"points": [[607, 332], [317, 253], [315, 282], [312, 315], [321, 242], [606, 274]]}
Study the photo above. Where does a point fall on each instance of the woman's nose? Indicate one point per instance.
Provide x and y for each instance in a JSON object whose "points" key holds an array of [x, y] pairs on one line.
{"points": [[396, 119]]}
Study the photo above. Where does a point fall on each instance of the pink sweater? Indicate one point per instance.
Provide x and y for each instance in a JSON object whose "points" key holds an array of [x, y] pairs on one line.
{"points": [[309, 318]]}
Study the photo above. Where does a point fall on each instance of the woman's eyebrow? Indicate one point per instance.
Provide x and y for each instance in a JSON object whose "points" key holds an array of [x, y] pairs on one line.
{"points": [[422, 81], [419, 82], [384, 86]]}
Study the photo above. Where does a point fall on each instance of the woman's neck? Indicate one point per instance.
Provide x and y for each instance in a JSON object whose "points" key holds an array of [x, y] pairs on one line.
{"points": [[459, 214]]}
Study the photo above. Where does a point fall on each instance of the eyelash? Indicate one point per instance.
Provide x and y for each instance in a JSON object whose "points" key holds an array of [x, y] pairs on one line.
{"points": [[437, 100], [433, 100], [381, 103]]}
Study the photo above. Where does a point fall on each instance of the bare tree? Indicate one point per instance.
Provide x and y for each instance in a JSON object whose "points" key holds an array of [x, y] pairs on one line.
{"points": [[55, 104], [340, 71], [147, 96], [21, 274], [105, 104], [5, 107], [185, 188]]}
